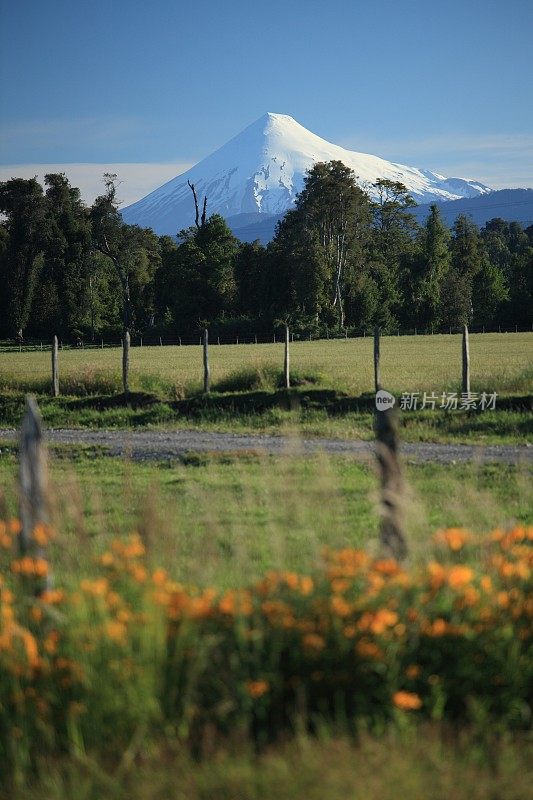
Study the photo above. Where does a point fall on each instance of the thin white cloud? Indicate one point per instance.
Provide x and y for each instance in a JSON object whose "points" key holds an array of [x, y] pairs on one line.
{"points": [[499, 160], [136, 180]]}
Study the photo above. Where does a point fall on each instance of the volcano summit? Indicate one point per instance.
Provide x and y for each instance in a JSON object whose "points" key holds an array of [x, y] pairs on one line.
{"points": [[261, 170]]}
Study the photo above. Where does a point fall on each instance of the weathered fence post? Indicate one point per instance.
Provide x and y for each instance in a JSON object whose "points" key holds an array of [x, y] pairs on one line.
{"points": [[34, 510], [466, 361], [377, 377], [55, 368], [286, 366], [207, 381], [126, 362], [391, 536]]}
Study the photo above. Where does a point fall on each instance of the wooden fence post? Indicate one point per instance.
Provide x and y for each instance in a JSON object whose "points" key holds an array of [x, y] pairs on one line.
{"points": [[377, 377], [55, 368], [126, 362], [207, 376], [33, 491], [392, 537], [286, 366], [466, 361]]}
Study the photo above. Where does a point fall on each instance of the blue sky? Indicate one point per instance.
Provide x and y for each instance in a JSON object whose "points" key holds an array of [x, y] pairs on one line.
{"points": [[154, 87]]}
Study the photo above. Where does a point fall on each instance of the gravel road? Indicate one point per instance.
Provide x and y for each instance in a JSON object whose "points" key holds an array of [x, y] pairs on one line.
{"points": [[162, 444]]}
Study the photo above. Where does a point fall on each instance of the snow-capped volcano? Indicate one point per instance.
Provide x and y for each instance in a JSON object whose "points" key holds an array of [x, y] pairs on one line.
{"points": [[262, 169]]}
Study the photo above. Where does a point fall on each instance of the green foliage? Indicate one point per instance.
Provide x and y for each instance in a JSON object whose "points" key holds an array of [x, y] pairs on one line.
{"points": [[432, 266], [337, 261], [318, 249], [23, 204]]}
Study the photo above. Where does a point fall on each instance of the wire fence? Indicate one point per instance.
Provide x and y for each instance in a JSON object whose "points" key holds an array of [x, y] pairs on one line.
{"points": [[277, 337]]}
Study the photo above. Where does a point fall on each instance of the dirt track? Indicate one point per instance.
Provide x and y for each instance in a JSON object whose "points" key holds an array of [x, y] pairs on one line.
{"points": [[162, 444]]}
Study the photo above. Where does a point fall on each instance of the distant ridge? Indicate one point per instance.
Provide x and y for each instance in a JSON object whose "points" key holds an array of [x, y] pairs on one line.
{"points": [[512, 205], [262, 169]]}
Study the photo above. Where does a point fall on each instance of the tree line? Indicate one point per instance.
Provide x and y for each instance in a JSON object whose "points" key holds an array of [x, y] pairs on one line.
{"points": [[339, 261]]}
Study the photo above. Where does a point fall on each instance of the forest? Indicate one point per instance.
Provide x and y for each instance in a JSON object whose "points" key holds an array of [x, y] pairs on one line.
{"points": [[340, 262]]}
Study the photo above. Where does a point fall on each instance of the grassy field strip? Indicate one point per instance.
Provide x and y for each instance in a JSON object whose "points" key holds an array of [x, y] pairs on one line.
{"points": [[225, 519], [499, 362]]}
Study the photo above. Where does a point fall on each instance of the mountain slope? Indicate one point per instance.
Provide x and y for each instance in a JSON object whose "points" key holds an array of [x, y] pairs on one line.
{"points": [[512, 205], [262, 169]]}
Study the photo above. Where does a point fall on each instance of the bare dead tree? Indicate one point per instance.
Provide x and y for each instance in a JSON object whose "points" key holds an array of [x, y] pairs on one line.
{"points": [[198, 221]]}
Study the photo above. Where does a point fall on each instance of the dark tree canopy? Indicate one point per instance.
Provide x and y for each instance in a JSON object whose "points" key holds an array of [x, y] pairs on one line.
{"points": [[338, 261]]}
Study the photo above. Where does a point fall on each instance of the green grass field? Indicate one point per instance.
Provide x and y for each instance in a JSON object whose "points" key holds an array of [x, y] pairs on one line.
{"points": [[225, 520], [245, 380], [499, 362]]}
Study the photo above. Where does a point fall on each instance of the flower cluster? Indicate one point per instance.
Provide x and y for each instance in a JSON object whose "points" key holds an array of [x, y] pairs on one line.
{"points": [[361, 637]]}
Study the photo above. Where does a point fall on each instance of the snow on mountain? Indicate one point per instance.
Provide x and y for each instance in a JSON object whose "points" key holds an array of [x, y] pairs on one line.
{"points": [[262, 169]]}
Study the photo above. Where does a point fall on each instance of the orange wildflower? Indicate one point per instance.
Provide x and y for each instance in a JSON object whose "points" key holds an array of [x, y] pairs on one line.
{"points": [[386, 566], [437, 574], [339, 606], [367, 649], [53, 596], [116, 631], [41, 534], [291, 579], [438, 628], [15, 526], [459, 575], [412, 671], [159, 577], [313, 641], [407, 701], [454, 538], [257, 688]]}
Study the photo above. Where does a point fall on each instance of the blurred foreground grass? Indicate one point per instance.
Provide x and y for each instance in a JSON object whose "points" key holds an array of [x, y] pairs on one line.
{"points": [[225, 519]]}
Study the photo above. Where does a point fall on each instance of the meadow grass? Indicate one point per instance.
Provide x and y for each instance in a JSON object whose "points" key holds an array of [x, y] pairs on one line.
{"points": [[166, 387], [499, 362], [120, 705], [223, 520]]}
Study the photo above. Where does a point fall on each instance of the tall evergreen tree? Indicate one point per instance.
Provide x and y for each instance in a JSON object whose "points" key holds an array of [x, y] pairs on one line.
{"points": [[23, 205], [392, 242], [331, 222], [432, 265], [466, 262]]}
